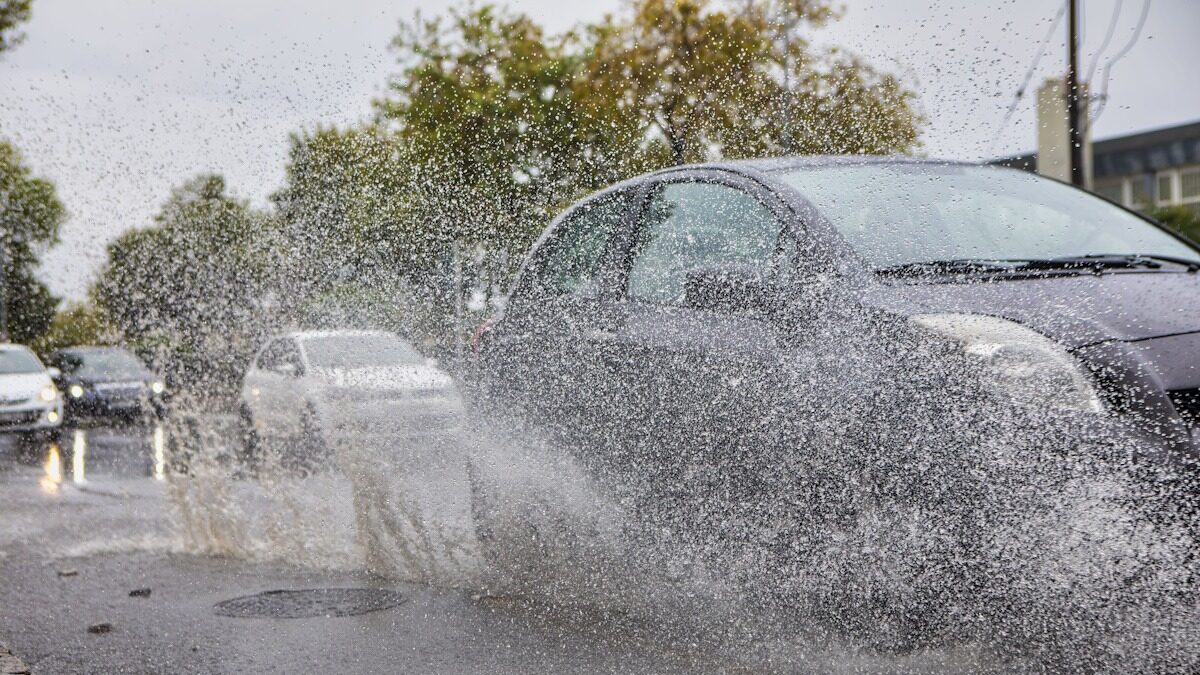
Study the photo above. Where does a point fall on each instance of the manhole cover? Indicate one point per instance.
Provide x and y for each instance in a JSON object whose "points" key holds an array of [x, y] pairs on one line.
{"points": [[299, 604]]}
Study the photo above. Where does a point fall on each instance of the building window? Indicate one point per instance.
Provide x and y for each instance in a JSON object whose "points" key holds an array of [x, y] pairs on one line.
{"points": [[1139, 192], [1189, 185], [1165, 193], [1113, 190]]}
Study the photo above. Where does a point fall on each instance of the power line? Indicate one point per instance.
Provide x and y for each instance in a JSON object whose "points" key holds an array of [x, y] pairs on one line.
{"points": [[1108, 36], [1137, 32], [1037, 58]]}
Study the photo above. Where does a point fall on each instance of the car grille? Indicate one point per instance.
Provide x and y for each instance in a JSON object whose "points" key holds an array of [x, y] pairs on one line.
{"points": [[14, 419], [119, 390]]}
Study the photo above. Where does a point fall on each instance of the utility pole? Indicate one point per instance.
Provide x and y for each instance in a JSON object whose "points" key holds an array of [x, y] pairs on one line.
{"points": [[3, 284], [1074, 122]]}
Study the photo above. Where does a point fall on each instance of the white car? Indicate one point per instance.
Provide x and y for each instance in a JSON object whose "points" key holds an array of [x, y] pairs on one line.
{"points": [[29, 401], [313, 387]]}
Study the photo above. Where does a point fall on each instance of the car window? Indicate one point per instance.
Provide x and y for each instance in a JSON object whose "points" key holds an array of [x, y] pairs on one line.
{"points": [[570, 261], [18, 362], [109, 363], [67, 364], [689, 226], [280, 352], [894, 214], [360, 351], [268, 359], [290, 355]]}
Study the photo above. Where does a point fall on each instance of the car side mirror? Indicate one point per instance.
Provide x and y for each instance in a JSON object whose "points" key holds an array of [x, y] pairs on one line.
{"points": [[54, 373], [729, 288]]}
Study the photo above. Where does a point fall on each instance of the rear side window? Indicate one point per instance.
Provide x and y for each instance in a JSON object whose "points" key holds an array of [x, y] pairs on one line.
{"points": [[274, 356], [690, 226], [570, 262]]}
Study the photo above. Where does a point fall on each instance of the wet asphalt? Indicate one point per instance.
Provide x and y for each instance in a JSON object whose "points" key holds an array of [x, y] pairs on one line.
{"points": [[93, 579]]}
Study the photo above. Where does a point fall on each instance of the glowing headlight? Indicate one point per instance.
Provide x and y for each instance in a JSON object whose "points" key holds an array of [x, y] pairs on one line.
{"points": [[158, 387], [48, 393], [1029, 365], [75, 391]]}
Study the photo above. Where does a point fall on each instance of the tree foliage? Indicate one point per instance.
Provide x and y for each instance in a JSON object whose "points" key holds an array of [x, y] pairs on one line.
{"points": [[188, 291], [30, 217], [1179, 218], [484, 109], [78, 323], [344, 212], [505, 125], [12, 14]]}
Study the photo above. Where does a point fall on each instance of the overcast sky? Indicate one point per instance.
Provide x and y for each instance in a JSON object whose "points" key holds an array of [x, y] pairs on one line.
{"points": [[118, 100]]}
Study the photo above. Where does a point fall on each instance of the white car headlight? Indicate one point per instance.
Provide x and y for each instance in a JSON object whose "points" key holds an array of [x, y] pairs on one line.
{"points": [[1033, 368], [48, 393], [158, 386], [76, 391]]}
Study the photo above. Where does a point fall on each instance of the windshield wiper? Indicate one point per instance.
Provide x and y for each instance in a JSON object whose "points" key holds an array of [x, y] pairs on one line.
{"points": [[956, 266], [1078, 264], [1104, 261]]}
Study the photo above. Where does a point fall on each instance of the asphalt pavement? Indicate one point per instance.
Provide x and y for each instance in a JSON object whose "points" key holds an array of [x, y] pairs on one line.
{"points": [[96, 576], [119, 556]]}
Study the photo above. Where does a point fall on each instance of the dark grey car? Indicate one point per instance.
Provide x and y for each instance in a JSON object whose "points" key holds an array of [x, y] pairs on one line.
{"points": [[667, 290], [884, 392]]}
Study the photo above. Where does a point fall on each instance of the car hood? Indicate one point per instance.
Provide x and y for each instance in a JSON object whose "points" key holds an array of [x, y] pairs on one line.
{"points": [[1074, 310], [391, 377], [23, 386]]}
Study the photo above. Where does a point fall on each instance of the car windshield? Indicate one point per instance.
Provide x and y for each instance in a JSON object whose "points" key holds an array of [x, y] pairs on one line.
{"points": [[105, 364], [18, 362], [360, 351], [898, 214]]}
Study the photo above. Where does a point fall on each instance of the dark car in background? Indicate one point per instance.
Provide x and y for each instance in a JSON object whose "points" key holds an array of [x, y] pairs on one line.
{"points": [[686, 296], [107, 382]]}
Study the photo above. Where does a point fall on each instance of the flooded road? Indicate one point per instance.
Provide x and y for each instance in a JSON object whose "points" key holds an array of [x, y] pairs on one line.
{"points": [[90, 518], [119, 547]]}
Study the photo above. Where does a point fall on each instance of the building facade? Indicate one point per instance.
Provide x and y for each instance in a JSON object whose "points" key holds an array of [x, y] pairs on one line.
{"points": [[1146, 170]]}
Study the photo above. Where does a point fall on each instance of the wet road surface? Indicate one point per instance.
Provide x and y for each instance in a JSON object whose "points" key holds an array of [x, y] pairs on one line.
{"points": [[87, 520]]}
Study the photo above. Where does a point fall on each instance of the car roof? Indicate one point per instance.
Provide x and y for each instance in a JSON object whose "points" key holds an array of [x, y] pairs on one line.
{"points": [[310, 334], [91, 349], [777, 164]]}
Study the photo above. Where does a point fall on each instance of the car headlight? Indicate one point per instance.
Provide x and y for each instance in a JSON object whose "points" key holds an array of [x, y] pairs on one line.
{"points": [[158, 386], [75, 390], [48, 393], [1033, 368]]}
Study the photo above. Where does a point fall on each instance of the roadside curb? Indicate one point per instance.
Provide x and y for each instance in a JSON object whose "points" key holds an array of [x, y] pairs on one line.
{"points": [[10, 664]]}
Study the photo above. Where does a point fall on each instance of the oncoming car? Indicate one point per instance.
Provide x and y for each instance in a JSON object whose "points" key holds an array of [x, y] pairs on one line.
{"points": [[29, 401], [680, 300], [313, 387], [107, 382]]}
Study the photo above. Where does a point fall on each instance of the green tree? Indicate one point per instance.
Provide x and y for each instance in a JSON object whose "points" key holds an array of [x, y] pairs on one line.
{"points": [[485, 111], [187, 292], [349, 236], [711, 80], [12, 14], [344, 212], [30, 217], [76, 324], [1179, 218]]}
